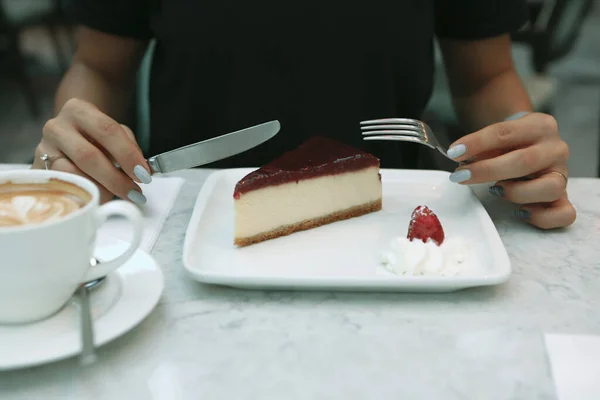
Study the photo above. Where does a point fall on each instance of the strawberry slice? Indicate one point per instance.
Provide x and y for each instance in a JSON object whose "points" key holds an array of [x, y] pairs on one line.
{"points": [[424, 224]]}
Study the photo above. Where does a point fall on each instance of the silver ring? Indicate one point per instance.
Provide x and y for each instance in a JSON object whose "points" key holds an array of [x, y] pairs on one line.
{"points": [[49, 160]]}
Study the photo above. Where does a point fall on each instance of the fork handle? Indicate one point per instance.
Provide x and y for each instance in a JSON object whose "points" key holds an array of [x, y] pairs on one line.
{"points": [[467, 162]]}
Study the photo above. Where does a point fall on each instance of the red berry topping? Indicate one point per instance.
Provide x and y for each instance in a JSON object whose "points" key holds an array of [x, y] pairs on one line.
{"points": [[424, 224]]}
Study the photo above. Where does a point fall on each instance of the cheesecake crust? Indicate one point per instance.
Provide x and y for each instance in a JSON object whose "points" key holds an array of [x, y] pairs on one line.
{"points": [[352, 212]]}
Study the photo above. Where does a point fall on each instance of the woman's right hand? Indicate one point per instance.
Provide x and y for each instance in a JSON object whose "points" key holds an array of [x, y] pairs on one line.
{"points": [[84, 141]]}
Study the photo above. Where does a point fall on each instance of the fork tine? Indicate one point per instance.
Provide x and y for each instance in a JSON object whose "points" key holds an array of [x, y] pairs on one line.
{"points": [[400, 127], [395, 132], [400, 138], [392, 121]]}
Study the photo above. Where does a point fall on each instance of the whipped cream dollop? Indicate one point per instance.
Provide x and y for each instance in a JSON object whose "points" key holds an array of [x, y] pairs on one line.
{"points": [[415, 258]]}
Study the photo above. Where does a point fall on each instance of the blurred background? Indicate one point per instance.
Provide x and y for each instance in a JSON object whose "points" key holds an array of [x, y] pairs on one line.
{"points": [[557, 55]]}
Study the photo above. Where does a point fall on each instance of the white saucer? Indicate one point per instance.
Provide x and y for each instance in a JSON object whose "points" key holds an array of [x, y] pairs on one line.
{"points": [[124, 299]]}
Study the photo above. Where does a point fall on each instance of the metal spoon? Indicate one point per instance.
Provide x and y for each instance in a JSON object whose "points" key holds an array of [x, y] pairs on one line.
{"points": [[96, 282], [88, 354]]}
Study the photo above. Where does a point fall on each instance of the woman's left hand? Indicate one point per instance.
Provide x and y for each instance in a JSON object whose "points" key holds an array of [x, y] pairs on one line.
{"points": [[528, 161]]}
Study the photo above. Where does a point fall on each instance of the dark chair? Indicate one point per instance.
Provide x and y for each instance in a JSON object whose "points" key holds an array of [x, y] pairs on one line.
{"points": [[142, 102], [553, 29], [17, 15]]}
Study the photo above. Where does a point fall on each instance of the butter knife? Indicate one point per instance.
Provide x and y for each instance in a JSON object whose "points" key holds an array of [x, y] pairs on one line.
{"points": [[214, 149]]}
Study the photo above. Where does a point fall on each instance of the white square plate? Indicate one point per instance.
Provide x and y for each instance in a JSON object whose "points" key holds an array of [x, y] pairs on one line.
{"points": [[343, 255]]}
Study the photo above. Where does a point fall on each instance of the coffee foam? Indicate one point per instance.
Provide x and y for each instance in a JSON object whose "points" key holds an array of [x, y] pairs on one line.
{"points": [[34, 203]]}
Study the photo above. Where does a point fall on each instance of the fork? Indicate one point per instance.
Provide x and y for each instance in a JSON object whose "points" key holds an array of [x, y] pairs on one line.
{"points": [[403, 130]]}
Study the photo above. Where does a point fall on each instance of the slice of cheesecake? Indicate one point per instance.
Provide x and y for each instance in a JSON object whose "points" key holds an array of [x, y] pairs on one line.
{"points": [[320, 182]]}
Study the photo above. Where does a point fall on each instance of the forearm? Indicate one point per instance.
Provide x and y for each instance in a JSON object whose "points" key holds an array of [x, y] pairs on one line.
{"points": [[485, 86], [501, 97], [82, 82]]}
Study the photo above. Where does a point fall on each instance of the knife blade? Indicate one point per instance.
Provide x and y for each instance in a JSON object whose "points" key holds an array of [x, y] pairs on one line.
{"points": [[214, 149]]}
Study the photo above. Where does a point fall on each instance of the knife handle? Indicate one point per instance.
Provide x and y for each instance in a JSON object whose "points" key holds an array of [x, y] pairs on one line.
{"points": [[154, 165], [152, 162]]}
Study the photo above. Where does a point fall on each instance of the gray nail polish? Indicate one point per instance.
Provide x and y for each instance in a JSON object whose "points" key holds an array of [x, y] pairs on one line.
{"points": [[523, 214], [457, 151], [460, 176], [136, 197], [497, 191], [143, 175], [517, 115]]}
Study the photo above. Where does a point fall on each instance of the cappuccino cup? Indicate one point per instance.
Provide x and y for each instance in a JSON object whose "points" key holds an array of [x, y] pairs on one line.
{"points": [[48, 226]]}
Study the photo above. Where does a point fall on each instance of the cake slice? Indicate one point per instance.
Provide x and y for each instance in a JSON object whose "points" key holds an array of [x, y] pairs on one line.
{"points": [[320, 182]]}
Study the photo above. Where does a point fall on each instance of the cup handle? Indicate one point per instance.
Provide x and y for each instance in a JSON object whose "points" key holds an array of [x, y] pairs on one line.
{"points": [[134, 215]]}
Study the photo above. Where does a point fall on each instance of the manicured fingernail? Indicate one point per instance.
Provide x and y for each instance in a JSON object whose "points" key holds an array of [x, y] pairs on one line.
{"points": [[457, 151], [497, 191], [143, 175], [517, 115], [523, 214], [460, 176], [136, 197]]}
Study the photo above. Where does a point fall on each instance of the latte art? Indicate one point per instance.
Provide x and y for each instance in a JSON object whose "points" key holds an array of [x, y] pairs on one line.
{"points": [[25, 204], [31, 209]]}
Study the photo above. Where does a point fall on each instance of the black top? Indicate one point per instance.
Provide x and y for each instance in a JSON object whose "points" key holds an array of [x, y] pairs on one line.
{"points": [[319, 67]]}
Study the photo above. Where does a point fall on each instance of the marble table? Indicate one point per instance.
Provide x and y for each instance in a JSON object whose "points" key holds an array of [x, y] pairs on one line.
{"points": [[207, 342]]}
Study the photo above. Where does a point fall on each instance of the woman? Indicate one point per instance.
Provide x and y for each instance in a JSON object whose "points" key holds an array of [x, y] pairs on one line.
{"points": [[319, 68]]}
